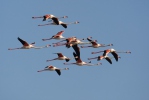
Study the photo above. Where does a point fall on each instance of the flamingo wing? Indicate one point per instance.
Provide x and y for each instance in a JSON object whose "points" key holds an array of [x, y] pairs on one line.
{"points": [[58, 71], [64, 25], [55, 20], [23, 42], [77, 50], [79, 60], [75, 56], [105, 52], [60, 33], [89, 40], [94, 43], [44, 18], [109, 60], [115, 55], [60, 54]]}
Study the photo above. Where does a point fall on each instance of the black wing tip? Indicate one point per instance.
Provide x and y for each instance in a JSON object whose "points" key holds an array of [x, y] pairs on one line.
{"points": [[67, 60], [58, 72]]}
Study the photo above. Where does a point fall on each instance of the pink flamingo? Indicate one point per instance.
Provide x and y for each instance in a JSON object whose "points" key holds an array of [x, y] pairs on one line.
{"points": [[60, 23], [113, 52], [70, 42], [27, 46], [57, 36], [53, 68], [60, 57], [50, 16], [95, 44]]}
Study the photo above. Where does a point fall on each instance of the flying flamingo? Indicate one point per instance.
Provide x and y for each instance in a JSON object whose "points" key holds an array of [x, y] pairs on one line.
{"points": [[27, 46], [113, 52], [57, 36], [53, 68], [103, 57], [50, 16], [75, 42], [70, 42], [60, 23], [79, 62], [95, 44], [60, 57]]}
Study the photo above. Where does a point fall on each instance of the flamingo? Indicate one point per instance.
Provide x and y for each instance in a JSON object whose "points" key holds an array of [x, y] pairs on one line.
{"points": [[75, 42], [95, 44], [60, 23], [27, 46], [60, 57], [79, 62], [57, 36], [70, 42], [50, 16], [53, 68], [103, 57], [113, 52]]}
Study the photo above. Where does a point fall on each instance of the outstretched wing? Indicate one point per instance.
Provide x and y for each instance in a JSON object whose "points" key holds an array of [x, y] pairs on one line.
{"points": [[60, 33], [89, 40], [109, 60], [77, 50], [93, 42], [44, 18], [75, 56], [58, 71], [23, 42], [115, 55], [60, 54], [55, 20], [64, 25]]}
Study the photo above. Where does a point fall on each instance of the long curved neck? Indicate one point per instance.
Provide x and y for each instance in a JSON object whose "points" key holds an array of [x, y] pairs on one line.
{"points": [[123, 51], [97, 52], [92, 58]]}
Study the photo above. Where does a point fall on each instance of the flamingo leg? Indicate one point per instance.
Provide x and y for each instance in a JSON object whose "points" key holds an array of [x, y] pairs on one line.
{"points": [[55, 45], [46, 39], [52, 59], [13, 48], [37, 17], [82, 43], [42, 47], [86, 46], [45, 24], [69, 63], [94, 64]]}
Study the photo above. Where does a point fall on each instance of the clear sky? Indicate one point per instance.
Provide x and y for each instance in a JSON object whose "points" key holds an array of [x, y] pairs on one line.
{"points": [[125, 23]]}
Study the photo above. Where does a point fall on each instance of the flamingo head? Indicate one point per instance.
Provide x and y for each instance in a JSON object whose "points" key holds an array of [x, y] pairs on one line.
{"points": [[128, 51], [76, 22]]}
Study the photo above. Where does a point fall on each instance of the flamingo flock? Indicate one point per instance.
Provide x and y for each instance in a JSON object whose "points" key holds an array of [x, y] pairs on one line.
{"points": [[69, 42]]}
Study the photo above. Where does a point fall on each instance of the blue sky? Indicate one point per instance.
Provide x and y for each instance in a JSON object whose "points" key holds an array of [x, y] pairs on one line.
{"points": [[121, 22]]}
